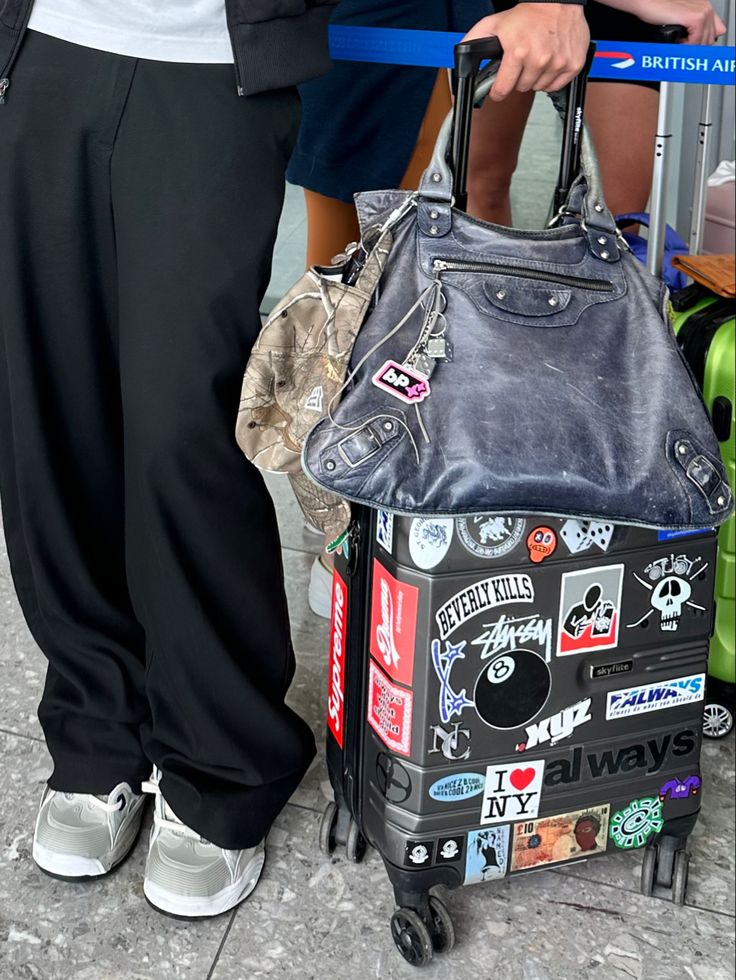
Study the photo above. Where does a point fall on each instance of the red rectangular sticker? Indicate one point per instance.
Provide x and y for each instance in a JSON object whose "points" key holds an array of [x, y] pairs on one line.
{"points": [[389, 711], [338, 634], [393, 624]]}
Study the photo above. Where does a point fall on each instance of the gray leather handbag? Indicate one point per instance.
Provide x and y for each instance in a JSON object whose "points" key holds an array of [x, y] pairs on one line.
{"points": [[506, 371]]}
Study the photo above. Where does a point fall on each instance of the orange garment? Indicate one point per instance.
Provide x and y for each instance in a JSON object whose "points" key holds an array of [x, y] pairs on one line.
{"points": [[332, 224]]}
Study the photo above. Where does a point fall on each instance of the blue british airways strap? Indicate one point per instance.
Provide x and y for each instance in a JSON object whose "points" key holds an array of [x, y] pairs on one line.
{"points": [[622, 60]]}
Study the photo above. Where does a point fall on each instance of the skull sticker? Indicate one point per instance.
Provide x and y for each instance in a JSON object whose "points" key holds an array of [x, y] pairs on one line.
{"points": [[672, 592]]}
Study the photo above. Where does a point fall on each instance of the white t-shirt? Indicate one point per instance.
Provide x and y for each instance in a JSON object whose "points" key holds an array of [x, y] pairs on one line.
{"points": [[193, 31]]}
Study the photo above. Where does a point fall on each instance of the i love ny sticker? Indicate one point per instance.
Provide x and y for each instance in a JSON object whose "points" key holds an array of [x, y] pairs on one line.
{"points": [[512, 792]]}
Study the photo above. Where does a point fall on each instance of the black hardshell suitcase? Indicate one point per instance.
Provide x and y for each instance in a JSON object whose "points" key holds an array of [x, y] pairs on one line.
{"points": [[507, 694]]}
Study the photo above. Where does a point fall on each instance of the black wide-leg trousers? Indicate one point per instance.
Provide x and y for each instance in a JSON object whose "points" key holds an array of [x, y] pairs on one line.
{"points": [[139, 202]]}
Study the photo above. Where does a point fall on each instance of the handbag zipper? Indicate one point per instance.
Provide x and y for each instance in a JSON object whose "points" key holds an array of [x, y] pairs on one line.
{"points": [[521, 272]]}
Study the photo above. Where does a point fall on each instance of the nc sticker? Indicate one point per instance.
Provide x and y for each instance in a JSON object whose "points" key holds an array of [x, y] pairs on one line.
{"points": [[512, 792], [407, 385], [460, 786], [487, 854], [429, 540], [590, 610], [634, 825]]}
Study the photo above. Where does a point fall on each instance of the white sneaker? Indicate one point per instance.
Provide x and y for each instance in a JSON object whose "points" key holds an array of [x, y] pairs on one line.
{"points": [[79, 836], [187, 876], [320, 589]]}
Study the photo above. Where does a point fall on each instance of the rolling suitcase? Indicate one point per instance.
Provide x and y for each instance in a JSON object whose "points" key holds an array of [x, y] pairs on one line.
{"points": [[706, 328], [509, 693]]}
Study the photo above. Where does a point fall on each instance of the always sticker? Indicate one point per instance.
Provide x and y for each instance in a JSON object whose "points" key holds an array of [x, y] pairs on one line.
{"points": [[407, 385], [653, 697], [389, 711], [512, 792]]}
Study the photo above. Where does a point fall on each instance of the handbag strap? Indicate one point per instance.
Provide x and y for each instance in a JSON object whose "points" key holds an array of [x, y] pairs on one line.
{"points": [[585, 199]]}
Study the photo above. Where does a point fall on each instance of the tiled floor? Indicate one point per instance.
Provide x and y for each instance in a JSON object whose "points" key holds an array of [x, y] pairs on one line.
{"points": [[315, 918]]}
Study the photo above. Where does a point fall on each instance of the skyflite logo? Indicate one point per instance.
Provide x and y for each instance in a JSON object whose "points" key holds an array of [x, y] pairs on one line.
{"points": [[653, 697], [338, 628], [491, 592]]}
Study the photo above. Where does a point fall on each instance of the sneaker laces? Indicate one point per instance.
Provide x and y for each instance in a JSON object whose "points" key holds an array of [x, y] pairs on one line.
{"points": [[164, 817]]}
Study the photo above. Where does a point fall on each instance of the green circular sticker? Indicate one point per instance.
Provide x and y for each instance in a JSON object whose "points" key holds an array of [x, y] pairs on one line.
{"points": [[635, 824]]}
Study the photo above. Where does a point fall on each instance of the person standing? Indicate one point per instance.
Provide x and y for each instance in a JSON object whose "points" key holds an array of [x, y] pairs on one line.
{"points": [[143, 148]]}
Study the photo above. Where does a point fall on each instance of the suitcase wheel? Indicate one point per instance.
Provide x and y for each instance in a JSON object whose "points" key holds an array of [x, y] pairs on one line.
{"points": [[664, 870], [338, 827], [327, 830], [440, 926], [717, 720], [412, 937]]}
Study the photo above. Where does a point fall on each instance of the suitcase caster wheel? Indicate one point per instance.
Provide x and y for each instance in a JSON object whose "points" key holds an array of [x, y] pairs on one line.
{"points": [[649, 870], [355, 845], [412, 937], [680, 876], [717, 720], [327, 829], [440, 926]]}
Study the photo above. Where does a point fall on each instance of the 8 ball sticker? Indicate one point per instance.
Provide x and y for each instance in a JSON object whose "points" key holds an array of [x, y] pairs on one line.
{"points": [[512, 689]]}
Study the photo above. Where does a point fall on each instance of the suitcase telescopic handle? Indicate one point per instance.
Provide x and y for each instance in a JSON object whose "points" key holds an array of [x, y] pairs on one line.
{"points": [[469, 55]]}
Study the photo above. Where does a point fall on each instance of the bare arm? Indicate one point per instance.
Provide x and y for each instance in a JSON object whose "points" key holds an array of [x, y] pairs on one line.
{"points": [[698, 16], [545, 45]]}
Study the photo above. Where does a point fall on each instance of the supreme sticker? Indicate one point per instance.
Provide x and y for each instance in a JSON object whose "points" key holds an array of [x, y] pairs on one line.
{"points": [[389, 711], [590, 610], [393, 624], [488, 594], [338, 633], [512, 792], [407, 385]]}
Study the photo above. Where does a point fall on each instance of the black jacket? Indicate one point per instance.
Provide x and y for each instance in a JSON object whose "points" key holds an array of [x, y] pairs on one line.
{"points": [[275, 42]]}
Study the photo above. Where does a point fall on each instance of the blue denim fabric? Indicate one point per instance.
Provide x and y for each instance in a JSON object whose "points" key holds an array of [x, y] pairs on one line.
{"points": [[582, 407]]}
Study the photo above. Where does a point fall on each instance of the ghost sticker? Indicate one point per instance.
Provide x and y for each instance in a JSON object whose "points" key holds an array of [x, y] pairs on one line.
{"points": [[418, 853], [590, 609], [450, 849], [680, 789], [541, 543], [487, 854], [670, 590]]}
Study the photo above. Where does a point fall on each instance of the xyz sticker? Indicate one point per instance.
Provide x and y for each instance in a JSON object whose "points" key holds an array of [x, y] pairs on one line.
{"points": [[590, 609], [563, 838], [404, 383], [487, 854], [636, 823], [672, 592], [512, 792]]}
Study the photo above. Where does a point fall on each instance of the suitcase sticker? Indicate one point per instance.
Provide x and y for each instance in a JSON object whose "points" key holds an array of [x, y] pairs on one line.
{"points": [[590, 610], [563, 838]]}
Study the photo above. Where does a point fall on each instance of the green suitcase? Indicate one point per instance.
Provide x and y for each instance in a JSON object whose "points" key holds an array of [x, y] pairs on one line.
{"points": [[706, 330]]}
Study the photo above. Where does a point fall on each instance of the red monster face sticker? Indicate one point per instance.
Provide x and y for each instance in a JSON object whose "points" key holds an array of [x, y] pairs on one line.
{"points": [[541, 543]]}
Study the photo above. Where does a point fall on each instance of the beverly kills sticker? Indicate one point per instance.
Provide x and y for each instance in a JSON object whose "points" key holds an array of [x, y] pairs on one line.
{"points": [[404, 383], [512, 792]]}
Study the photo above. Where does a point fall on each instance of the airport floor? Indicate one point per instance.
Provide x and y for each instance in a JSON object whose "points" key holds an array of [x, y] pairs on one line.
{"points": [[314, 917]]}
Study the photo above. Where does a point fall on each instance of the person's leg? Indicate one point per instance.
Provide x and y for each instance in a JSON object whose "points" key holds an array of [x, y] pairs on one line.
{"points": [[622, 119], [498, 129], [60, 424], [197, 190], [332, 224]]}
